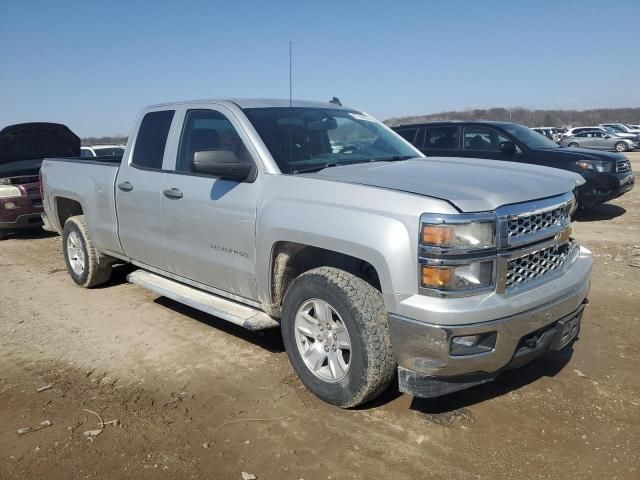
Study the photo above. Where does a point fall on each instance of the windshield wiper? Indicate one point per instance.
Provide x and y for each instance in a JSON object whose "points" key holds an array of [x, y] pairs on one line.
{"points": [[317, 168], [395, 158], [314, 168]]}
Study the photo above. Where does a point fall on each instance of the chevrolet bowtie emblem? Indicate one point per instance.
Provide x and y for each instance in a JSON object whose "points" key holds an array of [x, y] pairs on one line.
{"points": [[564, 234]]}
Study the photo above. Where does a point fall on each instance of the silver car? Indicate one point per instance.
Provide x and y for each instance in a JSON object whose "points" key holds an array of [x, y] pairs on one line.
{"points": [[599, 140]]}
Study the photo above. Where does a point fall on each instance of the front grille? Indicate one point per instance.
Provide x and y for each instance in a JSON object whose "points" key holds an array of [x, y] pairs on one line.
{"points": [[623, 166], [537, 264], [526, 224]]}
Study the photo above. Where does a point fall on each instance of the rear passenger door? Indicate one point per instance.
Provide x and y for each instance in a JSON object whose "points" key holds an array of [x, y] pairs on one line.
{"points": [[209, 223], [439, 141], [138, 190]]}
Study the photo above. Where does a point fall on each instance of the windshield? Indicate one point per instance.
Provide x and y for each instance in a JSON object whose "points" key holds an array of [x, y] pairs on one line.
{"points": [[529, 137], [301, 139], [109, 151]]}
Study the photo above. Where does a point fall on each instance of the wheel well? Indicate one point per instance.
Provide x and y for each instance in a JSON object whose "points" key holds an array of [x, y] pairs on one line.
{"points": [[289, 260], [65, 207]]}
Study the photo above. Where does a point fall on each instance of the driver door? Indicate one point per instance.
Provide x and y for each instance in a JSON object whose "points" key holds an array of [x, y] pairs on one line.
{"points": [[209, 223]]}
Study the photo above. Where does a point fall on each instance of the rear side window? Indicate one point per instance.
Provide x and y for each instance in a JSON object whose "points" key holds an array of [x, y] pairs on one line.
{"points": [[151, 140], [409, 134], [442, 138]]}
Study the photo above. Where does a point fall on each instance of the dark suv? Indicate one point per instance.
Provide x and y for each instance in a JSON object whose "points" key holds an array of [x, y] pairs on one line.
{"points": [[608, 175]]}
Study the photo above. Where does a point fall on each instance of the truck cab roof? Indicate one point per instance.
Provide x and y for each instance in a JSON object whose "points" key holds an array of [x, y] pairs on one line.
{"points": [[254, 103]]}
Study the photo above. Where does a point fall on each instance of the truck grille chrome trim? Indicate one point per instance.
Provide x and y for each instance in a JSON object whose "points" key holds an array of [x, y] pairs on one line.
{"points": [[523, 225], [537, 264]]}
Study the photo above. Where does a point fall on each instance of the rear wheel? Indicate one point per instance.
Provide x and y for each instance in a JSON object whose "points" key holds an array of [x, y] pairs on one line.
{"points": [[574, 145], [3, 234], [335, 331], [85, 265], [621, 147]]}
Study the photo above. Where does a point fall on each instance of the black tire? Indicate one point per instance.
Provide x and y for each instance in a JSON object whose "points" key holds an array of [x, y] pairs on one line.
{"points": [[3, 234], [621, 147], [371, 364], [97, 267], [573, 145]]}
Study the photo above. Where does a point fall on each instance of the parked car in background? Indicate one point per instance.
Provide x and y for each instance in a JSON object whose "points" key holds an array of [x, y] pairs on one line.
{"points": [[318, 219], [599, 140], [607, 174], [621, 127], [552, 133], [574, 131], [102, 151], [22, 148]]}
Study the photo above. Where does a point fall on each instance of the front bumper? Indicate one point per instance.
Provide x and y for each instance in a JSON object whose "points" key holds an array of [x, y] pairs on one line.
{"points": [[21, 212], [422, 349], [26, 221], [602, 187]]}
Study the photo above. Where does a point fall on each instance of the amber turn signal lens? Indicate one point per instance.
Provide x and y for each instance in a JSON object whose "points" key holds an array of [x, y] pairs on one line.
{"points": [[436, 277], [437, 235]]}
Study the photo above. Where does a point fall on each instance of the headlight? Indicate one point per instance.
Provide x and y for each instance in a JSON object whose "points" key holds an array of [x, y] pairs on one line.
{"points": [[471, 276], [471, 236], [594, 165], [7, 191]]}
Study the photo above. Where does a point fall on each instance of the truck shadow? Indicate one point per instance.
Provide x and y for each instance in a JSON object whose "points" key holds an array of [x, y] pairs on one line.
{"points": [[548, 365], [269, 339], [604, 211]]}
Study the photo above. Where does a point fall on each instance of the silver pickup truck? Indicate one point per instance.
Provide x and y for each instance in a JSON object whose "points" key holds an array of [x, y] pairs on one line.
{"points": [[318, 219]]}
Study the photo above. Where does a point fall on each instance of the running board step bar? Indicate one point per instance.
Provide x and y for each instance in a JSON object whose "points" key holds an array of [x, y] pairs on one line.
{"points": [[234, 312]]}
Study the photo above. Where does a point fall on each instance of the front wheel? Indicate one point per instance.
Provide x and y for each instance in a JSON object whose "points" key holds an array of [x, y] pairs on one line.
{"points": [[84, 263], [335, 331], [621, 147], [574, 145]]}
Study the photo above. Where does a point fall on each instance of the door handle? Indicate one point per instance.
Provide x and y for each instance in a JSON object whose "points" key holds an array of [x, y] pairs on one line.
{"points": [[173, 193], [125, 186]]}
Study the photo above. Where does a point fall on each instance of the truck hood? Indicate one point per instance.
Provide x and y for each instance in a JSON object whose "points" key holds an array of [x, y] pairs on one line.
{"points": [[471, 185], [575, 154]]}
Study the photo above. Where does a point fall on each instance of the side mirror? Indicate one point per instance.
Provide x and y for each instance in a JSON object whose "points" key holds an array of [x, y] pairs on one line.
{"points": [[221, 163], [607, 136], [508, 148]]}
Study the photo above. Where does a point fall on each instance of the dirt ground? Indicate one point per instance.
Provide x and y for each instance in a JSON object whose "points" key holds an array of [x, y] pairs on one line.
{"points": [[195, 397]]}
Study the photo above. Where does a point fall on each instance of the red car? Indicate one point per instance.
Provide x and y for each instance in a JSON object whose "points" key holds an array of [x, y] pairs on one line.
{"points": [[22, 148]]}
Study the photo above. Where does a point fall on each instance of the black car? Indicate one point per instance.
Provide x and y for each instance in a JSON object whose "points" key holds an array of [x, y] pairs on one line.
{"points": [[608, 175]]}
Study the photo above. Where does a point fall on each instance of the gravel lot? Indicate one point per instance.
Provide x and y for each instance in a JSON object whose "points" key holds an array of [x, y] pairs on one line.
{"points": [[197, 398]]}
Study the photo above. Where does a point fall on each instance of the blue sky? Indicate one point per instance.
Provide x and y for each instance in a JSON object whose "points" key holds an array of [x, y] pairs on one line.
{"points": [[94, 64]]}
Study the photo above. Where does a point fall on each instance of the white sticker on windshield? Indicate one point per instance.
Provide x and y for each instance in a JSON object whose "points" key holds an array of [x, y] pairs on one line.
{"points": [[362, 116]]}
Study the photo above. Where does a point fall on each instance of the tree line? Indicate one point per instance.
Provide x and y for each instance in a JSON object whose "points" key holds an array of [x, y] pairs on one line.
{"points": [[115, 140], [531, 118]]}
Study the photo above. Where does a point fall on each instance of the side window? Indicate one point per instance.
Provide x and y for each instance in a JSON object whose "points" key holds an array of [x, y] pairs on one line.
{"points": [[86, 153], [208, 130], [409, 134], [441, 138], [581, 135], [481, 138], [151, 140]]}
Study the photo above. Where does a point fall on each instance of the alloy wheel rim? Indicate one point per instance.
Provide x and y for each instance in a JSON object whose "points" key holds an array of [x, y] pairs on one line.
{"points": [[323, 340], [75, 253]]}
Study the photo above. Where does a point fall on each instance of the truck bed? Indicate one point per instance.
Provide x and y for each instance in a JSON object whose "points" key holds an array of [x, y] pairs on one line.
{"points": [[108, 160], [91, 183]]}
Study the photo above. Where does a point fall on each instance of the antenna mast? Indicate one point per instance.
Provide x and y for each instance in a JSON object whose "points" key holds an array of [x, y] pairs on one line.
{"points": [[290, 74]]}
